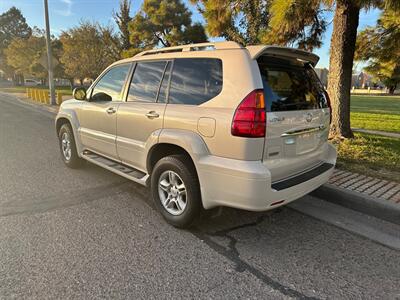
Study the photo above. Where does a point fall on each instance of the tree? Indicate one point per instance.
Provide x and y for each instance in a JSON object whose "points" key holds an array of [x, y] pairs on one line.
{"points": [[242, 21], [88, 49], [303, 23], [24, 55], [29, 56], [163, 23], [343, 42], [380, 47], [12, 25], [248, 22], [342, 48], [122, 18]]}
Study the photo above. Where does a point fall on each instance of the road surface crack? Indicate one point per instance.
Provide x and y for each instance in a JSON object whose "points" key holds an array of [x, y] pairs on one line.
{"points": [[231, 253]]}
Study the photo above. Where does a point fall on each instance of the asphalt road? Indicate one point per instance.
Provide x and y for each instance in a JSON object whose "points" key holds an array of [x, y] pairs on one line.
{"points": [[91, 234]]}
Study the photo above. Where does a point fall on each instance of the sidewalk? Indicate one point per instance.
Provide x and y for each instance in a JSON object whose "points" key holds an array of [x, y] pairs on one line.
{"points": [[378, 132], [371, 186]]}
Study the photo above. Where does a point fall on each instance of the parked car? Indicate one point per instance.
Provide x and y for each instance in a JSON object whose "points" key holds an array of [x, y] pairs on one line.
{"points": [[32, 82], [206, 125]]}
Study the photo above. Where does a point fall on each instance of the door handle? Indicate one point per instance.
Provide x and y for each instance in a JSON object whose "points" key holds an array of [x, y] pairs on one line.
{"points": [[152, 114], [111, 110]]}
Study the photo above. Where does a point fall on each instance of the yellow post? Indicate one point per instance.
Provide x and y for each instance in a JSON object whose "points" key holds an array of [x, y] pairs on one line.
{"points": [[59, 98], [35, 94], [47, 96], [39, 93], [44, 96]]}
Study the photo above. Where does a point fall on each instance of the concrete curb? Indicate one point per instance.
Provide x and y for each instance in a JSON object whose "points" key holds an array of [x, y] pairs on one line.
{"points": [[29, 102], [381, 209]]}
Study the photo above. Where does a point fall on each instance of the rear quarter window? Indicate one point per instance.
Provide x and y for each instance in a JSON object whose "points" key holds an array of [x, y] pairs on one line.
{"points": [[290, 85], [195, 80], [146, 81]]}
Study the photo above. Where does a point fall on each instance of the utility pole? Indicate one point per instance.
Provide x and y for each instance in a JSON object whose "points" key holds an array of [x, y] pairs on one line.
{"points": [[49, 55]]}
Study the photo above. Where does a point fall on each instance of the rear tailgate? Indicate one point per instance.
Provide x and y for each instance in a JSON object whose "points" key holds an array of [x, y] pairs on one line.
{"points": [[297, 115]]}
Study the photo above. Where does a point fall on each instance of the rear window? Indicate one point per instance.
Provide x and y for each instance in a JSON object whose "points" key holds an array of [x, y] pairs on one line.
{"points": [[290, 85], [195, 80]]}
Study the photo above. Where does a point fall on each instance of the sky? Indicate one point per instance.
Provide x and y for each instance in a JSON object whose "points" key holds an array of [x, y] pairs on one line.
{"points": [[67, 13]]}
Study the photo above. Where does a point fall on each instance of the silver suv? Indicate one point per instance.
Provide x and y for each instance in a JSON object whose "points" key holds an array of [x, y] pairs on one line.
{"points": [[206, 125]]}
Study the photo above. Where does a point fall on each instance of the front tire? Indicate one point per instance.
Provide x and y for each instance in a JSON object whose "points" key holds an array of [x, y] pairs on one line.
{"points": [[176, 191], [68, 147]]}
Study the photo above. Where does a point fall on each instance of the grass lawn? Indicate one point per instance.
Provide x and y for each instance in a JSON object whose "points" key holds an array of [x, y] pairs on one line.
{"points": [[372, 155], [376, 112], [65, 90]]}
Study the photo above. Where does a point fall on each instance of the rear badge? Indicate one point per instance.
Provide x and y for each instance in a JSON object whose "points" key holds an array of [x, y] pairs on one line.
{"points": [[309, 117], [276, 119]]}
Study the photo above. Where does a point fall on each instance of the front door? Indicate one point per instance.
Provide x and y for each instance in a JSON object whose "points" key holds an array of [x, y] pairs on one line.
{"points": [[98, 117], [140, 118]]}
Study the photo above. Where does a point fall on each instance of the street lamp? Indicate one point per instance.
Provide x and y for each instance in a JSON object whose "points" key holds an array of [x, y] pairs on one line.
{"points": [[49, 55]]}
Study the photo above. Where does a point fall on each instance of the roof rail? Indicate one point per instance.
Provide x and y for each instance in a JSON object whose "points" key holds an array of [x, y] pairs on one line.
{"points": [[192, 47]]}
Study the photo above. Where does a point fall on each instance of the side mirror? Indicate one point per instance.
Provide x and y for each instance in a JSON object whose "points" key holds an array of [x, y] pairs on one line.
{"points": [[79, 93]]}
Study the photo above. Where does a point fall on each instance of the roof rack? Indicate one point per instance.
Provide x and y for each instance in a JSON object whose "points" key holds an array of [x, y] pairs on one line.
{"points": [[193, 47]]}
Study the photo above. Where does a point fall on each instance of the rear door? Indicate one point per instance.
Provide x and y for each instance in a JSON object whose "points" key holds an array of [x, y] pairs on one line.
{"points": [[297, 116], [141, 117]]}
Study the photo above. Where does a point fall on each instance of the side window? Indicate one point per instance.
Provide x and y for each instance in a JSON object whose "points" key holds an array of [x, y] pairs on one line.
{"points": [[109, 87], [195, 80], [162, 95], [146, 81]]}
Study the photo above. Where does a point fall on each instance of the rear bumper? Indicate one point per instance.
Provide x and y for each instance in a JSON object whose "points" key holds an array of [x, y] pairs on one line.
{"points": [[247, 184]]}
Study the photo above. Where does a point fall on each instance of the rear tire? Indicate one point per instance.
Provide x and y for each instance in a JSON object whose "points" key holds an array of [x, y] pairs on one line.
{"points": [[68, 147], [176, 191]]}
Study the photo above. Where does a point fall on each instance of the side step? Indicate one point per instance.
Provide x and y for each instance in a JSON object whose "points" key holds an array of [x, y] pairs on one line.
{"points": [[116, 167]]}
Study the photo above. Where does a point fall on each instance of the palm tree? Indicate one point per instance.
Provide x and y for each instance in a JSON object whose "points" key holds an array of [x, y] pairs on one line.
{"points": [[343, 44], [379, 47]]}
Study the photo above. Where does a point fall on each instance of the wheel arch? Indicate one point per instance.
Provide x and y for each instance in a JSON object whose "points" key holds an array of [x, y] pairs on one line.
{"points": [[160, 150], [60, 122], [69, 117], [176, 141]]}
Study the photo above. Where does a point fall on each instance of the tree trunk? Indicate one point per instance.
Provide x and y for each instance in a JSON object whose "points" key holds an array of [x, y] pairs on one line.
{"points": [[343, 44]]}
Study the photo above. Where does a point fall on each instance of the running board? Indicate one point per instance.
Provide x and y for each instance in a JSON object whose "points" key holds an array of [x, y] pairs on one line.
{"points": [[116, 167]]}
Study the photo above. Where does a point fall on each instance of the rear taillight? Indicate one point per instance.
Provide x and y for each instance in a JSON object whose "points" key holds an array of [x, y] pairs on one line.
{"points": [[328, 100], [250, 116]]}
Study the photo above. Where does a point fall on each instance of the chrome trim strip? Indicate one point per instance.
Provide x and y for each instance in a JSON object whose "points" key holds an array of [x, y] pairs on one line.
{"points": [[302, 131]]}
